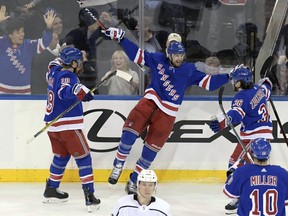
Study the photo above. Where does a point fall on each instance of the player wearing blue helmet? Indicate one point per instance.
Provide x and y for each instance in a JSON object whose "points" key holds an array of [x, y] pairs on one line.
{"points": [[249, 107], [260, 149], [66, 136], [261, 188], [176, 53], [241, 78], [157, 110]]}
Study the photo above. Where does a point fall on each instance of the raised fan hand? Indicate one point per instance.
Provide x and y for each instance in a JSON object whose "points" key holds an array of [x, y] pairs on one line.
{"points": [[49, 18], [3, 13]]}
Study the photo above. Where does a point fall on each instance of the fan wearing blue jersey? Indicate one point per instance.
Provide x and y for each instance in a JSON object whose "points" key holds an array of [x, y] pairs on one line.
{"points": [[249, 107], [262, 189], [156, 111], [16, 53], [66, 136]]}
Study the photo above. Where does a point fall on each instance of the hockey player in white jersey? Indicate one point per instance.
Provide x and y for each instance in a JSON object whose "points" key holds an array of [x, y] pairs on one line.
{"points": [[143, 202], [157, 110]]}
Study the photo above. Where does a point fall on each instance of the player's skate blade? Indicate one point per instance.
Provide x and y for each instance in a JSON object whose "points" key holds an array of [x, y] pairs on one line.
{"points": [[54, 195], [231, 208], [91, 201], [54, 200]]}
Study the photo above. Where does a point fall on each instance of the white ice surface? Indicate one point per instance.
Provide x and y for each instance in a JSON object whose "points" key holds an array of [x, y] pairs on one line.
{"points": [[186, 199]]}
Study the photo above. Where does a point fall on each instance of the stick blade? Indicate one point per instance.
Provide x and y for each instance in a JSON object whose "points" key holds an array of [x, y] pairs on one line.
{"points": [[124, 75], [30, 140]]}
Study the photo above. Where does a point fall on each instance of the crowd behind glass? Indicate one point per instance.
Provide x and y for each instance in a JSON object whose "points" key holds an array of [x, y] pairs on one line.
{"points": [[217, 36]]}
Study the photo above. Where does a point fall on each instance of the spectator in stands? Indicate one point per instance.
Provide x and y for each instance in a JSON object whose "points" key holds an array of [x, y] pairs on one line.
{"points": [[16, 54], [84, 38], [211, 65], [40, 62], [117, 85], [25, 7], [30, 11], [151, 43], [248, 45], [283, 80]]}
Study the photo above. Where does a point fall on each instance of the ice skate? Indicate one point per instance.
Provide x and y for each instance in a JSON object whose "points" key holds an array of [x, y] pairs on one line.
{"points": [[52, 195], [231, 208], [131, 188], [115, 174], [91, 201]]}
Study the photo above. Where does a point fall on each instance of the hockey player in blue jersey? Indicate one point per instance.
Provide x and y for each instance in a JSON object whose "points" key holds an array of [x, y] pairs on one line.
{"points": [[249, 106], [262, 189], [66, 136], [156, 111]]}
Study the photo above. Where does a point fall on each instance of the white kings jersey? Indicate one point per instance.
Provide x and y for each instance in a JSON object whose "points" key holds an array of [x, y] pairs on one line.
{"points": [[128, 205]]}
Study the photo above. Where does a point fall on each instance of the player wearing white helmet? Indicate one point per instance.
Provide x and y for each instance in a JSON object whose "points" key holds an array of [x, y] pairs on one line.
{"points": [[143, 202]]}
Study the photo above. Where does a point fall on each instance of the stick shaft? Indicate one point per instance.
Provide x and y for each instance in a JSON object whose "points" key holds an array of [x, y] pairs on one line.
{"points": [[220, 95], [67, 110], [81, 4]]}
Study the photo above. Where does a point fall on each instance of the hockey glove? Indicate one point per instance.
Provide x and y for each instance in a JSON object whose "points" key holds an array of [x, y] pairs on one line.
{"points": [[282, 59], [82, 92], [114, 33], [265, 80], [234, 69], [217, 123]]}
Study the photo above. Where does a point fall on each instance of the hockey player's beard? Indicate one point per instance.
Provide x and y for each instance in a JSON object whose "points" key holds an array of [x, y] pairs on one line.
{"points": [[176, 64]]}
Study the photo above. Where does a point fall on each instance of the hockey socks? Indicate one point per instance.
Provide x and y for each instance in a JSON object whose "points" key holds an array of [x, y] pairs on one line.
{"points": [[86, 172], [57, 169], [144, 162], [127, 140]]}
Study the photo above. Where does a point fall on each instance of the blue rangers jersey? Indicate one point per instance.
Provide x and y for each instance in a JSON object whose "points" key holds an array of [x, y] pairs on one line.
{"points": [[60, 98], [263, 190], [168, 83], [249, 106], [16, 61]]}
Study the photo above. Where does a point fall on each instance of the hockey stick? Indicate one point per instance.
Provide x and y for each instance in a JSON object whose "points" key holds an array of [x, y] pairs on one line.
{"points": [[220, 95], [81, 5], [263, 73], [68, 109], [266, 66]]}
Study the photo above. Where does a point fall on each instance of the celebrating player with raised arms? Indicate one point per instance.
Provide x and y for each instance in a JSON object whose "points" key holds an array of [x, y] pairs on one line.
{"points": [[156, 111], [262, 189], [249, 106]]}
